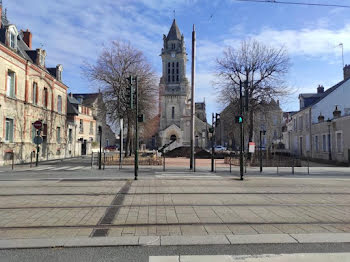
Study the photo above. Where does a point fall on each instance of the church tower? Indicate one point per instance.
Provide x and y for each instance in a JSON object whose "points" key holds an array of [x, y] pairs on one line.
{"points": [[174, 90]]}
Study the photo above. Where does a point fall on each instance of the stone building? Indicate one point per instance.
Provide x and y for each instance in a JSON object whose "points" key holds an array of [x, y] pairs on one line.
{"points": [[268, 118], [175, 96], [29, 91], [94, 101], [322, 118], [81, 131]]}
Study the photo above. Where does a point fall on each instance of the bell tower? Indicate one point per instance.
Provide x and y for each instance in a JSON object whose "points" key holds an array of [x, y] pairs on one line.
{"points": [[174, 91]]}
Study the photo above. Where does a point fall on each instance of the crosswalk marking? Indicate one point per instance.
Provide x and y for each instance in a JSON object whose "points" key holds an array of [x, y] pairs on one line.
{"points": [[49, 168]]}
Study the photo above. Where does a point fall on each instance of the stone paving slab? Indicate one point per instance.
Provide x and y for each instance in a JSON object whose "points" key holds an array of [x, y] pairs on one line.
{"points": [[261, 239], [194, 240], [175, 240], [322, 238]]}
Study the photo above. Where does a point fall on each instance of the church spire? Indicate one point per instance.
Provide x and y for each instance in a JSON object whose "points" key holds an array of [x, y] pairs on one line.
{"points": [[174, 32]]}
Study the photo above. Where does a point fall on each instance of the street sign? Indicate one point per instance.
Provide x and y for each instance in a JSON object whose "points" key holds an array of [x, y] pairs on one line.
{"points": [[38, 140], [38, 124], [251, 147]]}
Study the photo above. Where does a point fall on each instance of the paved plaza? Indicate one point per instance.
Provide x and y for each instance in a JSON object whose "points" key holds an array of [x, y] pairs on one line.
{"points": [[164, 205]]}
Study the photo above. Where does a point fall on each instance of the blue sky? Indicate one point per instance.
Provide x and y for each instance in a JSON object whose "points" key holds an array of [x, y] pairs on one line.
{"points": [[72, 32]]}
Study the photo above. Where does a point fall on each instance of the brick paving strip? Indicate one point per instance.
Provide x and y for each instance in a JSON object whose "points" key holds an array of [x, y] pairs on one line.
{"points": [[111, 211]]}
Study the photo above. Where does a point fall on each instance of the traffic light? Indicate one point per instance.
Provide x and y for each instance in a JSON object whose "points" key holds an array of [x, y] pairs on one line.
{"points": [[141, 118], [130, 92], [217, 119], [238, 119]]}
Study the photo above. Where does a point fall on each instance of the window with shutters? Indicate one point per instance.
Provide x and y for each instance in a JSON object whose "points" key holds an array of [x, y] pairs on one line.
{"points": [[81, 126], [339, 137]]}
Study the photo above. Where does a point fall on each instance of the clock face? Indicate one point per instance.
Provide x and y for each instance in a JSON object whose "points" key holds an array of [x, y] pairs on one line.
{"points": [[173, 54]]}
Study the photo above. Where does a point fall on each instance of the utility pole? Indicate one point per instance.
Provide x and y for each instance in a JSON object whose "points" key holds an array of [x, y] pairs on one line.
{"points": [[241, 131], [192, 163], [136, 168]]}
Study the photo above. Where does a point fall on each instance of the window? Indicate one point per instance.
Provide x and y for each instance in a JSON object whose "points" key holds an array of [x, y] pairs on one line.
{"points": [[324, 143], [9, 130], [300, 122], [307, 121], [46, 98], [81, 126], [58, 135], [107, 142], [172, 112], [91, 128], [11, 81], [59, 104], [70, 135], [295, 124], [316, 144], [172, 46], [12, 40], [339, 142], [35, 93]]}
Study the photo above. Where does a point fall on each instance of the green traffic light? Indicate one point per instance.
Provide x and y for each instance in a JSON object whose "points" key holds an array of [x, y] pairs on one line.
{"points": [[240, 120]]}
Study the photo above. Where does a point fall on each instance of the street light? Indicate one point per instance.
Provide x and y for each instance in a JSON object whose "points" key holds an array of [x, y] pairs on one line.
{"points": [[262, 132], [329, 122]]}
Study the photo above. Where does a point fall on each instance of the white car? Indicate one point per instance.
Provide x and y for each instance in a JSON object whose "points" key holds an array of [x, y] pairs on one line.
{"points": [[220, 148]]}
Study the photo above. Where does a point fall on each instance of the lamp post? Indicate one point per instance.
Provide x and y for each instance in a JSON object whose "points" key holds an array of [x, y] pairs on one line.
{"points": [[262, 132], [329, 139]]}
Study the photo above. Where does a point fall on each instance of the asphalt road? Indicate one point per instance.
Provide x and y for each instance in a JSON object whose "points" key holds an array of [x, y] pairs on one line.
{"points": [[142, 254]]}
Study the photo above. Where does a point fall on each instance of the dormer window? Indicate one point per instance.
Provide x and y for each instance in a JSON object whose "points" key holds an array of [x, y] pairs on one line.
{"points": [[13, 40], [59, 70], [12, 34], [41, 55]]}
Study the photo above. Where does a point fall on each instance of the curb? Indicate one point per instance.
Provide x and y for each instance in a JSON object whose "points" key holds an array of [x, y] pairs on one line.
{"points": [[176, 240]]}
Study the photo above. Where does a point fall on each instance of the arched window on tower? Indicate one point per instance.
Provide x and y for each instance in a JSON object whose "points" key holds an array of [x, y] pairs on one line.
{"points": [[173, 112], [177, 72], [169, 72]]}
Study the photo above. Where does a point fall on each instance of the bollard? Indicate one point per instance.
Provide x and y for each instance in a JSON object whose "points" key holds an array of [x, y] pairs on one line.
{"points": [[293, 167], [104, 160], [308, 165], [230, 163], [31, 159], [92, 159], [163, 162], [13, 160]]}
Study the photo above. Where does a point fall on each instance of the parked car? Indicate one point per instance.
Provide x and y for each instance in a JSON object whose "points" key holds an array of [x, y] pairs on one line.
{"points": [[111, 148], [220, 148]]}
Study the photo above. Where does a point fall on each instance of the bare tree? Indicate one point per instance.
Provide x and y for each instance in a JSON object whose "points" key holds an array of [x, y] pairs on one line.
{"points": [[264, 68], [113, 66]]}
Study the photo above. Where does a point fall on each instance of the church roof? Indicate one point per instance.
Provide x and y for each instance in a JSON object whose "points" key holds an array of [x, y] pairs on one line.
{"points": [[174, 32]]}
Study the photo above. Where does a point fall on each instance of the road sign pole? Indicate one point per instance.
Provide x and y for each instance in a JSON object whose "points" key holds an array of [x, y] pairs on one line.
{"points": [[37, 150]]}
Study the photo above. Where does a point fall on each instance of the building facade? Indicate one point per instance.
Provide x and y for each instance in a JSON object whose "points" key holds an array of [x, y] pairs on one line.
{"points": [[81, 130], [175, 96], [29, 91], [322, 122], [94, 101]]}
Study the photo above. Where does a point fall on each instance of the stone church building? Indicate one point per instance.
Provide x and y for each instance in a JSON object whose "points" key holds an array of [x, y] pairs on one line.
{"points": [[175, 98]]}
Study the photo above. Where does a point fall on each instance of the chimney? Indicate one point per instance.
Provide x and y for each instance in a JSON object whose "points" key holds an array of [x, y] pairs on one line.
{"points": [[320, 118], [27, 38], [336, 112], [320, 89], [346, 71]]}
